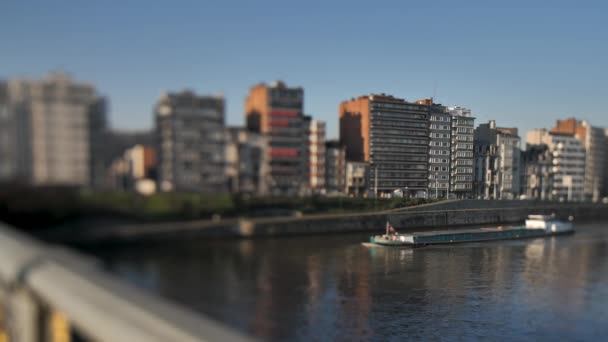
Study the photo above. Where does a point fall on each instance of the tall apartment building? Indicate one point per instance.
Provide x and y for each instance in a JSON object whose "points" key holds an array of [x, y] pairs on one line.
{"points": [[440, 147], [392, 135], [461, 168], [276, 111], [190, 134], [497, 162], [52, 125], [568, 163], [335, 167], [594, 140], [246, 161], [315, 154]]}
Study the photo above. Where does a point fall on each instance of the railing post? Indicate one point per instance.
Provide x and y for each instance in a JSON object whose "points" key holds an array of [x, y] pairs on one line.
{"points": [[22, 316]]}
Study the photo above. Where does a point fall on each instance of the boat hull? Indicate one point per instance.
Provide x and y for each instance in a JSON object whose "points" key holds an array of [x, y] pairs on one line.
{"points": [[461, 236]]}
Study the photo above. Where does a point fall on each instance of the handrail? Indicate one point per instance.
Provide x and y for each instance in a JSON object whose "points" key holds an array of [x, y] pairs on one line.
{"points": [[98, 305]]}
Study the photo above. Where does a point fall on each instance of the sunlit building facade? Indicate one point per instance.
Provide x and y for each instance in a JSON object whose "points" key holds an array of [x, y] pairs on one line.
{"points": [[392, 135]]}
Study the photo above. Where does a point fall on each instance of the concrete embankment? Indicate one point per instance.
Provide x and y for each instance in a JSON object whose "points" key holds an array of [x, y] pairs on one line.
{"points": [[425, 217]]}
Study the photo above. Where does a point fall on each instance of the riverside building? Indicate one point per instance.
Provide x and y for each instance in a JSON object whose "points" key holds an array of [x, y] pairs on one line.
{"points": [[191, 137], [461, 167], [440, 146], [275, 111], [392, 136]]}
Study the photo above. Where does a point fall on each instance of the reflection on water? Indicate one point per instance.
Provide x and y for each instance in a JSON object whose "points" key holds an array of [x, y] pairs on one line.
{"points": [[332, 288]]}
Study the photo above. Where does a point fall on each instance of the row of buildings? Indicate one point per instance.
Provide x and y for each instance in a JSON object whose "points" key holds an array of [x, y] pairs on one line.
{"points": [[55, 132]]}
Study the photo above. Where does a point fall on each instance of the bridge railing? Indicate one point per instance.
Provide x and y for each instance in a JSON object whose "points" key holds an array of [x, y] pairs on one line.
{"points": [[53, 294]]}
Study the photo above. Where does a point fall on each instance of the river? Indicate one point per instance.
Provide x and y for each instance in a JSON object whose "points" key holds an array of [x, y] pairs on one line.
{"points": [[333, 288]]}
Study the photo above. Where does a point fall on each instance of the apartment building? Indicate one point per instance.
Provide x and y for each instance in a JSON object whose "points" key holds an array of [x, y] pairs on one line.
{"points": [[497, 162], [440, 149], [335, 167], [247, 162], [568, 156], [276, 111], [315, 155], [49, 130], [461, 167], [392, 136], [191, 138], [594, 141]]}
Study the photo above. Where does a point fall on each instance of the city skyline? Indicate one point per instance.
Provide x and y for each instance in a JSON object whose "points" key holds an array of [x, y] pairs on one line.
{"points": [[524, 67]]}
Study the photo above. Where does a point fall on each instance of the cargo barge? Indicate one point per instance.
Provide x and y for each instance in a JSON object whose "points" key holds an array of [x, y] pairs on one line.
{"points": [[536, 226]]}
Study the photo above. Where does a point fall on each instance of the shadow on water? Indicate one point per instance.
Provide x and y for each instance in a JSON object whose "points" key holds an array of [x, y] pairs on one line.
{"points": [[331, 287]]}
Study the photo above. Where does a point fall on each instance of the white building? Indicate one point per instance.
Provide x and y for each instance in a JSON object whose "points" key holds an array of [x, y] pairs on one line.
{"points": [[461, 168], [315, 168], [568, 163], [52, 122], [497, 162], [247, 162], [357, 176], [440, 146]]}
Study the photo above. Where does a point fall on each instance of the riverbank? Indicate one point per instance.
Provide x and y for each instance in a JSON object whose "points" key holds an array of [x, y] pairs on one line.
{"points": [[424, 217], [36, 209]]}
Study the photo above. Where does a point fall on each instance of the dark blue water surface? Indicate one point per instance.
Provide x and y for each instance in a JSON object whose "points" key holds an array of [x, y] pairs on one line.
{"points": [[333, 288]]}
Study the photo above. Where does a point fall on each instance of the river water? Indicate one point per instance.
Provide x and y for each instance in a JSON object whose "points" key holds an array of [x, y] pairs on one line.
{"points": [[333, 288]]}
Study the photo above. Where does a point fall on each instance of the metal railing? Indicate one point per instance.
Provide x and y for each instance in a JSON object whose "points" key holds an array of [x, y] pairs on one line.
{"points": [[49, 293]]}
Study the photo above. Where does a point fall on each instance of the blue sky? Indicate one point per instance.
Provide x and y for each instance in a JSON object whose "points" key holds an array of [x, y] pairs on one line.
{"points": [[524, 64]]}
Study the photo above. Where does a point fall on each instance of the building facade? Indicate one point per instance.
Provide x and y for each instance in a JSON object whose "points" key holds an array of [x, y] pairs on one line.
{"points": [[440, 149], [190, 134], [568, 157], [537, 172], [335, 167], [357, 179], [392, 136], [315, 155], [276, 111], [461, 167], [135, 170], [246, 162], [8, 137], [594, 141], [51, 122], [497, 162]]}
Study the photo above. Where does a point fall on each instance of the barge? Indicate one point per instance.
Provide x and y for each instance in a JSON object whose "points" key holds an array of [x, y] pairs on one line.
{"points": [[536, 226]]}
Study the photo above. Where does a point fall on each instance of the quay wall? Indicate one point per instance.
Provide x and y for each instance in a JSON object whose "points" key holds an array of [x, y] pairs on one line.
{"points": [[449, 214]]}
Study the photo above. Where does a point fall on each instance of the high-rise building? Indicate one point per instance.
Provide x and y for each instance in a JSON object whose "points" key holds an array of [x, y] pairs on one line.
{"points": [[335, 167], [440, 146], [276, 111], [568, 157], [497, 162], [461, 168], [594, 141], [392, 135], [190, 134], [52, 122], [315, 152], [246, 161]]}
